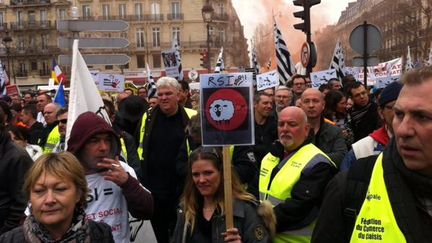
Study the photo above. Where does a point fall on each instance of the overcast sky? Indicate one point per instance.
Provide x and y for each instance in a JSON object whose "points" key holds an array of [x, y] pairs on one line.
{"points": [[252, 12]]}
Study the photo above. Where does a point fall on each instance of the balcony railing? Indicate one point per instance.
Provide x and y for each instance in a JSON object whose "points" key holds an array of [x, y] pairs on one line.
{"points": [[25, 3], [221, 17], [44, 72], [26, 25], [153, 17], [175, 16], [21, 73]]}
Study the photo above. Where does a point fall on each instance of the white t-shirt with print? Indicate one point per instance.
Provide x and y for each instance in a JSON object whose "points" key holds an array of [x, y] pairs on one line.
{"points": [[106, 203]]}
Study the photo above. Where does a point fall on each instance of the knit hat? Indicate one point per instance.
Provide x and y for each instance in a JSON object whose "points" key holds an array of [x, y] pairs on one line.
{"points": [[389, 93]]}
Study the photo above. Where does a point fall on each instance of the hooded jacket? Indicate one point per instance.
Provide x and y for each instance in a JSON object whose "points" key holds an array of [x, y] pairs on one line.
{"points": [[86, 126]]}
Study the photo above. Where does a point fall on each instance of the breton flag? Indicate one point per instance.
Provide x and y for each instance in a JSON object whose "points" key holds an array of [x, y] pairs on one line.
{"points": [[429, 61], [151, 85], [176, 47], [4, 80], [255, 65], [285, 65], [84, 95], [56, 73], [408, 61], [220, 65], [338, 60]]}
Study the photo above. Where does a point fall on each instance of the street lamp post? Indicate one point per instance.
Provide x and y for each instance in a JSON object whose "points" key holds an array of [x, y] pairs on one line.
{"points": [[207, 14], [6, 42]]}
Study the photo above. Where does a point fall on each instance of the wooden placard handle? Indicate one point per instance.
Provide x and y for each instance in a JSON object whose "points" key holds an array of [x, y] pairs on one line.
{"points": [[228, 188]]}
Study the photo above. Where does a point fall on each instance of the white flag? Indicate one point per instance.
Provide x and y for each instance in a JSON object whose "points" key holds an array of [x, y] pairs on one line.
{"points": [[408, 61], [84, 95]]}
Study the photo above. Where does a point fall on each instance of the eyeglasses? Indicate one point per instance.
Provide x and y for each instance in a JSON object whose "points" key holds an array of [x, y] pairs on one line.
{"points": [[64, 121]]}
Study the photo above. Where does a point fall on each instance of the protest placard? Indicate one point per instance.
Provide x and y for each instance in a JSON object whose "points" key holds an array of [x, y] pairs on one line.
{"points": [[227, 110], [322, 77], [267, 80], [170, 63], [110, 82]]}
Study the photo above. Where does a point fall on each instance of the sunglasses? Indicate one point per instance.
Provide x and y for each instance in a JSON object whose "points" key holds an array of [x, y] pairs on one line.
{"points": [[64, 121]]}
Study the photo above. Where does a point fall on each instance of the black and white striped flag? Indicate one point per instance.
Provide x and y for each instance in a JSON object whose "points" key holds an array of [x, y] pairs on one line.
{"points": [[285, 64], [338, 60], [151, 88], [408, 61], [220, 65], [176, 47], [255, 65], [4, 80]]}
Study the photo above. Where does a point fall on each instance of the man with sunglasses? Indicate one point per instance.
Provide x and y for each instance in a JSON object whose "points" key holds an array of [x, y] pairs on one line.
{"points": [[62, 115]]}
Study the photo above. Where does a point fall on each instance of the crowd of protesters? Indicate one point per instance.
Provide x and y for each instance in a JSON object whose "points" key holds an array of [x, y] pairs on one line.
{"points": [[148, 162]]}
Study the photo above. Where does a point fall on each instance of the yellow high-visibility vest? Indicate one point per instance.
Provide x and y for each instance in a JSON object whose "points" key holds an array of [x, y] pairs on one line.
{"points": [[279, 189], [189, 112], [376, 221], [52, 140]]}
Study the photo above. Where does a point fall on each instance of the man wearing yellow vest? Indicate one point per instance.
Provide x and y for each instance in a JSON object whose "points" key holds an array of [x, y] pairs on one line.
{"points": [[387, 198], [293, 177], [162, 131]]}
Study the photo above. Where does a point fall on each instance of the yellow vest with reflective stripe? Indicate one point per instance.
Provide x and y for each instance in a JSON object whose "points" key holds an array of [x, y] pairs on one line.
{"points": [[124, 149], [189, 112], [282, 184], [52, 140], [376, 221]]}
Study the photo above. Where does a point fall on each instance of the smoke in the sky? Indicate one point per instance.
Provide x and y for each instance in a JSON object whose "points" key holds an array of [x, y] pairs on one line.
{"points": [[254, 12]]}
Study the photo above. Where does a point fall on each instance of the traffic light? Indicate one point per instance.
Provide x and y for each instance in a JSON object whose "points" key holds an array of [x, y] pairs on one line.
{"points": [[305, 14], [204, 59]]}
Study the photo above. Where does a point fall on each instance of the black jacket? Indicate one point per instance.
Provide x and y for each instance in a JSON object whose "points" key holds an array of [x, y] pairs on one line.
{"points": [[403, 187], [246, 219], [14, 163], [99, 233], [331, 141]]}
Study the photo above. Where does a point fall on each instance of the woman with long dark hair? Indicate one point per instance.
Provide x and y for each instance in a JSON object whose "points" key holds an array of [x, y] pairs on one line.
{"points": [[336, 111]]}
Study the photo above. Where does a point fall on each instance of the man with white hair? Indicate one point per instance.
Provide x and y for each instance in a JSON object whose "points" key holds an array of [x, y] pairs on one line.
{"points": [[162, 131]]}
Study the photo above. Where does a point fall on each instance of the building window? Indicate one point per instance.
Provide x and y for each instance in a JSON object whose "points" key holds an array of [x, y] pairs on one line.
{"points": [[44, 41], [140, 38], [32, 44], [109, 67], [156, 37], [124, 35], [176, 34], [20, 17], [138, 11], [33, 65], [45, 68], [140, 61], [43, 15], [157, 61], [155, 8], [211, 31], [31, 17], [175, 10], [221, 8], [20, 43], [122, 10], [86, 11], [1, 18], [222, 35], [62, 14], [106, 11]]}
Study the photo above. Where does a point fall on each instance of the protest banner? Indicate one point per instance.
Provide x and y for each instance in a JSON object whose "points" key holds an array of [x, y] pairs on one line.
{"points": [[170, 62], [322, 77], [382, 71], [381, 83], [227, 119], [267, 80]]}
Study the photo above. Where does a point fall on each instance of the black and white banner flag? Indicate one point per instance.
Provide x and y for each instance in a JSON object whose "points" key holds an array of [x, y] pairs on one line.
{"points": [[285, 65], [220, 65], [338, 60]]}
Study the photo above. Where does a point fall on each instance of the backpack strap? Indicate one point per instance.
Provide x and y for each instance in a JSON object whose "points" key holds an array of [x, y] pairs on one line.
{"points": [[357, 183]]}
